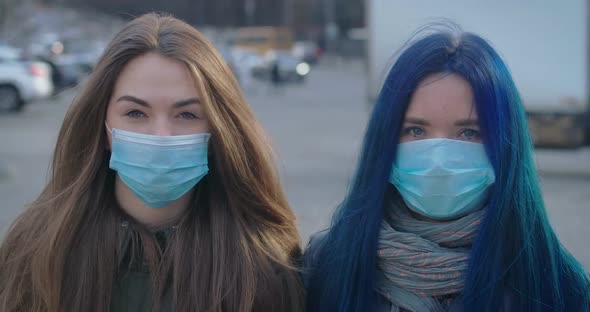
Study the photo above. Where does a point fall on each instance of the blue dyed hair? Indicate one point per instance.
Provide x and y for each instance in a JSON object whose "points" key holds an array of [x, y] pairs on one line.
{"points": [[515, 251]]}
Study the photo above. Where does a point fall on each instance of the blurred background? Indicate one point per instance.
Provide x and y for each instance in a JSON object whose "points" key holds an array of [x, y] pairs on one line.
{"points": [[311, 70]]}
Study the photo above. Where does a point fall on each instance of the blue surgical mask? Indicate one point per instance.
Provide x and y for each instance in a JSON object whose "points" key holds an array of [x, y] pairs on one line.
{"points": [[159, 169], [441, 178]]}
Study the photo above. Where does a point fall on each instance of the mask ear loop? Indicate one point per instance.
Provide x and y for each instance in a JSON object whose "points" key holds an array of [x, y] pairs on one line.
{"points": [[108, 128], [107, 147]]}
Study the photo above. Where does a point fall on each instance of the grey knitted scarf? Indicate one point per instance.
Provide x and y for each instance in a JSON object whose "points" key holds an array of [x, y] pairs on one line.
{"points": [[419, 262]]}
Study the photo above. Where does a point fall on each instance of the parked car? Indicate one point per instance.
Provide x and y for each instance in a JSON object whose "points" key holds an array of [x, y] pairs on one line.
{"points": [[291, 68], [246, 61], [308, 51], [21, 81], [70, 61]]}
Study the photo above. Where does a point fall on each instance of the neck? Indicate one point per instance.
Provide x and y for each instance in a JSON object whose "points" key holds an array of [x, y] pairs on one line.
{"points": [[152, 218]]}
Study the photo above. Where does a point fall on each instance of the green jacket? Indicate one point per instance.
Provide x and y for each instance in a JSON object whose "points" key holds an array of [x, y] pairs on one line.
{"points": [[132, 291]]}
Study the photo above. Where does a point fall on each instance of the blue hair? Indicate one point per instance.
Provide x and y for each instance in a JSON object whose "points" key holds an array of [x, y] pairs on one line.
{"points": [[515, 251]]}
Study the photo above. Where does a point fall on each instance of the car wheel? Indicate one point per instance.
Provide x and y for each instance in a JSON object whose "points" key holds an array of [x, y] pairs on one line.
{"points": [[10, 100]]}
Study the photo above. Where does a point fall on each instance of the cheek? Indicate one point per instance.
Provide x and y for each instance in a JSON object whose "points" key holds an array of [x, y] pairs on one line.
{"points": [[202, 126], [405, 139], [207, 127]]}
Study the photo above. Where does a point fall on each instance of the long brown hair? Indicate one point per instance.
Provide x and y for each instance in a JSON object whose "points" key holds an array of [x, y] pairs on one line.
{"points": [[236, 248]]}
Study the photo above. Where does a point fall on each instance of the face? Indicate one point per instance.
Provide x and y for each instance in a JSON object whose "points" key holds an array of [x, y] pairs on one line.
{"points": [[156, 95], [441, 107]]}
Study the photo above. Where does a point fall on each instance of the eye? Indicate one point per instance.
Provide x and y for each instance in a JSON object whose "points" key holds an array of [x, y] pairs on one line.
{"points": [[135, 114], [469, 134], [187, 115], [413, 131]]}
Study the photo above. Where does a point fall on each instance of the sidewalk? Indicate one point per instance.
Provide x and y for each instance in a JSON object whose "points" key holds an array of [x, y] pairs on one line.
{"points": [[566, 162]]}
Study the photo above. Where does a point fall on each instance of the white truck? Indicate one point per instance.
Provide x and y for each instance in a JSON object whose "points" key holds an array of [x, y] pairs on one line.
{"points": [[544, 43]]}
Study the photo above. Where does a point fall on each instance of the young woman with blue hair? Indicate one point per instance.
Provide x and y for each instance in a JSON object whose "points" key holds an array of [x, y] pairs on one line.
{"points": [[445, 212]]}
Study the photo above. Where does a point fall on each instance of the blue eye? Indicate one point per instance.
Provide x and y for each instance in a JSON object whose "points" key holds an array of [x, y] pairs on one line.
{"points": [[414, 131], [135, 114], [469, 134], [188, 115]]}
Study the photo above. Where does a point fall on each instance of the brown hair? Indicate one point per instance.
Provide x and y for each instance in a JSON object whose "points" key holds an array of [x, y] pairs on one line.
{"points": [[236, 248]]}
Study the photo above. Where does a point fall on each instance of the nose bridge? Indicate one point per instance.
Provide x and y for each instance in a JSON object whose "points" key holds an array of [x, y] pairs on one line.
{"points": [[441, 131], [440, 135], [162, 126]]}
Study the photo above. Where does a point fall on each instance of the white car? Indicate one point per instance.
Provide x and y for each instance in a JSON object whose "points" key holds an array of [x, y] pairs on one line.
{"points": [[290, 68], [246, 61], [22, 81], [307, 51]]}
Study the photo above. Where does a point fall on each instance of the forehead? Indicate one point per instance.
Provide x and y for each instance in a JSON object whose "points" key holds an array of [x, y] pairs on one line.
{"points": [[444, 97], [152, 76]]}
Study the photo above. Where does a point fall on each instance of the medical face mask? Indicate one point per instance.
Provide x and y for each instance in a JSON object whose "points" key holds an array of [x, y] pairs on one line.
{"points": [[159, 169], [442, 178]]}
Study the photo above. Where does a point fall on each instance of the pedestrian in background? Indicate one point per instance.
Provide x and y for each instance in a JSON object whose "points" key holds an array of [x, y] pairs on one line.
{"points": [[275, 76], [163, 195]]}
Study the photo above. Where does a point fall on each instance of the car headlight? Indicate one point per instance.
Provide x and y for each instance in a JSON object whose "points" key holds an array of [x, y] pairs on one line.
{"points": [[302, 69]]}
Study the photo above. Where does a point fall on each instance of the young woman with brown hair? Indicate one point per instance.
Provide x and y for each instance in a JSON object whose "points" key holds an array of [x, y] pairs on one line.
{"points": [[162, 196]]}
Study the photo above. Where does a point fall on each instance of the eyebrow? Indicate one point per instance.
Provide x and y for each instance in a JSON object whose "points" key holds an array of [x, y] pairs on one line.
{"points": [[417, 121], [459, 123], [467, 122], [181, 103]]}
